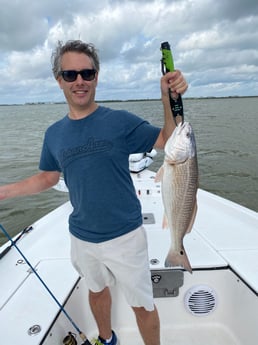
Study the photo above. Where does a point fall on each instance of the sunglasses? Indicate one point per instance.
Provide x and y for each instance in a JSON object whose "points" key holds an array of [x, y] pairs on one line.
{"points": [[71, 75]]}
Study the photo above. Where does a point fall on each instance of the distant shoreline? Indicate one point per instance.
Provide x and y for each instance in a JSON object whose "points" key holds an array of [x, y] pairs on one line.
{"points": [[129, 100]]}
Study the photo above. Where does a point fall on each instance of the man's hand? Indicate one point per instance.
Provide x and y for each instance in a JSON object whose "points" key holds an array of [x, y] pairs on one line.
{"points": [[175, 82]]}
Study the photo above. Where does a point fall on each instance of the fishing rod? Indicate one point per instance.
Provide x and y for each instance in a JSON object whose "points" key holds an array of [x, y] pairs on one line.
{"points": [[167, 65], [69, 339]]}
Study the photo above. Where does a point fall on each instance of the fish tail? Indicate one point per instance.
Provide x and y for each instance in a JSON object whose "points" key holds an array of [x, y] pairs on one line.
{"points": [[174, 259]]}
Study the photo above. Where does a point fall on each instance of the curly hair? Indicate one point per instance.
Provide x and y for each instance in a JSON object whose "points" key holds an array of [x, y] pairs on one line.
{"points": [[73, 46]]}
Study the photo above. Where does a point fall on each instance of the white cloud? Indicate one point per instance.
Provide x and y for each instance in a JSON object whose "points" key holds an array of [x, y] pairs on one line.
{"points": [[214, 43]]}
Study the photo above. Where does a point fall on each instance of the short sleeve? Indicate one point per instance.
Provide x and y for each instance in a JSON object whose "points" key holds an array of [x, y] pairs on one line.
{"points": [[142, 137], [47, 160]]}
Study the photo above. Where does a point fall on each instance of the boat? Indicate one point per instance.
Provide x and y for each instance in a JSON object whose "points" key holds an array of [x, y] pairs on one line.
{"points": [[43, 301]]}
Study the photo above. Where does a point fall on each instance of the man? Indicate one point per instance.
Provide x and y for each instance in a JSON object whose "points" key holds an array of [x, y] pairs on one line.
{"points": [[91, 146]]}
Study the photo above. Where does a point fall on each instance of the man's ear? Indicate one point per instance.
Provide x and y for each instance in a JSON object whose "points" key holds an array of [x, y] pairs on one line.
{"points": [[96, 78], [59, 81]]}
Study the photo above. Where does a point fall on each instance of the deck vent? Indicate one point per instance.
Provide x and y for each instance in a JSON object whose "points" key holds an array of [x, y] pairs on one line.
{"points": [[200, 300]]}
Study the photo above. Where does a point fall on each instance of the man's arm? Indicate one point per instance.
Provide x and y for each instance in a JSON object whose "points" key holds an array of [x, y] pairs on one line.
{"points": [[31, 185], [175, 82]]}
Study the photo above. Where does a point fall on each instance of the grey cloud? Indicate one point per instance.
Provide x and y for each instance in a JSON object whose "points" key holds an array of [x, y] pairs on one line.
{"points": [[214, 43]]}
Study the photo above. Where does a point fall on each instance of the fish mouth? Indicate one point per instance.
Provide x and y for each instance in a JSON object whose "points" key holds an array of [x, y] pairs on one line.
{"points": [[181, 126]]}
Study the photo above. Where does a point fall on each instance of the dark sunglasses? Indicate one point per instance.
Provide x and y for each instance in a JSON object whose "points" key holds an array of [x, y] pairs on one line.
{"points": [[71, 75]]}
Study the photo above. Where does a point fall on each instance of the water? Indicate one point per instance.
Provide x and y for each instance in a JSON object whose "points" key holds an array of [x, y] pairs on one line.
{"points": [[227, 143]]}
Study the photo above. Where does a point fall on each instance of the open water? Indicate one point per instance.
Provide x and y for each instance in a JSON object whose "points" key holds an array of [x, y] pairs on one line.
{"points": [[226, 132]]}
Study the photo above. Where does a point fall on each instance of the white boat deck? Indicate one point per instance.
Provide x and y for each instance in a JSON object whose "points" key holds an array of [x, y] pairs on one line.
{"points": [[232, 231], [224, 234]]}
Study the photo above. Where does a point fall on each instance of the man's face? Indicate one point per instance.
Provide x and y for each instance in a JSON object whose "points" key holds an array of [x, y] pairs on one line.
{"points": [[80, 94]]}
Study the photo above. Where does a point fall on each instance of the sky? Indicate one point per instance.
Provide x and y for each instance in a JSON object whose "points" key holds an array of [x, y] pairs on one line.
{"points": [[214, 44]]}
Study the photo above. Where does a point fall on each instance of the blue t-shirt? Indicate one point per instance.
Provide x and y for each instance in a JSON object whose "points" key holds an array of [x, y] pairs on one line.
{"points": [[93, 155]]}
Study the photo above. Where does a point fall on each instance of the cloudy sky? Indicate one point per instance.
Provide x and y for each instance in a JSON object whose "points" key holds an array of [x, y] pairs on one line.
{"points": [[214, 43]]}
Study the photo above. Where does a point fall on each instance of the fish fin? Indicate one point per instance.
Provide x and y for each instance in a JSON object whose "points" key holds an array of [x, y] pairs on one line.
{"points": [[159, 174], [165, 222], [175, 259], [189, 229]]}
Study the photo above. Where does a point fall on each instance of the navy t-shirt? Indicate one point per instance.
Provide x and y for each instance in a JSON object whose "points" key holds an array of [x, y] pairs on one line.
{"points": [[93, 155]]}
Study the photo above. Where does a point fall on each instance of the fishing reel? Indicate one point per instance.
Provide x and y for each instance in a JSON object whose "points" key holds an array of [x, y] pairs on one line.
{"points": [[70, 339]]}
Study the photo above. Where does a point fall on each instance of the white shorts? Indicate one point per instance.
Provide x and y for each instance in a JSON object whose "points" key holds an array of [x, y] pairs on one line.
{"points": [[123, 261]]}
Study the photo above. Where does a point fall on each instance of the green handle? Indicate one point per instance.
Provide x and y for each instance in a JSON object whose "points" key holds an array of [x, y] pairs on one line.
{"points": [[167, 58], [167, 65]]}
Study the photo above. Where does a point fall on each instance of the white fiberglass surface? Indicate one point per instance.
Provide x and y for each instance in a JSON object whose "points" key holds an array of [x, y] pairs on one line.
{"points": [[212, 335]]}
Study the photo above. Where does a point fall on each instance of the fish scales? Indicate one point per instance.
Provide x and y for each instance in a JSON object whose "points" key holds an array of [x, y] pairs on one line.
{"points": [[179, 177]]}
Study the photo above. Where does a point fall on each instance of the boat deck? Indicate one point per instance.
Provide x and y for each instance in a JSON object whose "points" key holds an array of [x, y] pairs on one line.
{"points": [[224, 235]]}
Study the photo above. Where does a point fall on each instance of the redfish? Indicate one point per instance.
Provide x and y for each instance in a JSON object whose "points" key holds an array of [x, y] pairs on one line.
{"points": [[179, 181]]}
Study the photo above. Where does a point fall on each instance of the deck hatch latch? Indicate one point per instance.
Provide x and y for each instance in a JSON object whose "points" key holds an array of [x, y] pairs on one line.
{"points": [[148, 218], [166, 283]]}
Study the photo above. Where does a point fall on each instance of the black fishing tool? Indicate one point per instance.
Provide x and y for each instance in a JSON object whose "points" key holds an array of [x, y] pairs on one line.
{"points": [[167, 65], [70, 338]]}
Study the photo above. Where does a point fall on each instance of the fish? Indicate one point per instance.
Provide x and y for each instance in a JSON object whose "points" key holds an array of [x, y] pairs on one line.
{"points": [[179, 185]]}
